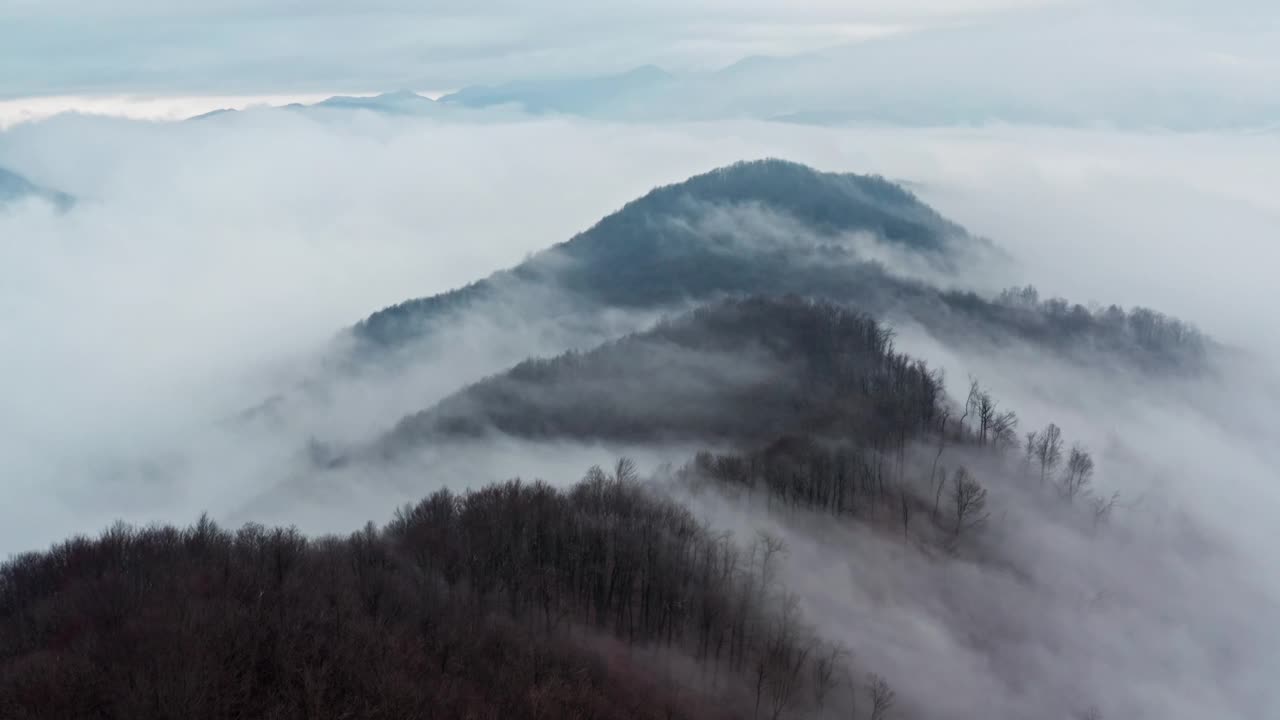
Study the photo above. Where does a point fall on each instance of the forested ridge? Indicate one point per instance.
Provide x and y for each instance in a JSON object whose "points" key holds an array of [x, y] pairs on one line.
{"points": [[606, 599], [654, 251], [735, 371], [790, 235], [514, 601]]}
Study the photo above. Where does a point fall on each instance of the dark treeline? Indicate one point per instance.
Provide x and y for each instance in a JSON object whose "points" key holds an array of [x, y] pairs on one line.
{"points": [[515, 601], [655, 254], [801, 471], [739, 371], [1139, 332], [820, 407], [843, 476]]}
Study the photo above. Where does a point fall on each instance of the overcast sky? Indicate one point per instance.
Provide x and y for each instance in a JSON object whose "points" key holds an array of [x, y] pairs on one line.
{"points": [[275, 47]]}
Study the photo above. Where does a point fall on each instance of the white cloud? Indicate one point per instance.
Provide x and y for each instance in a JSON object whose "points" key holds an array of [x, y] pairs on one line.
{"points": [[203, 251], [161, 107]]}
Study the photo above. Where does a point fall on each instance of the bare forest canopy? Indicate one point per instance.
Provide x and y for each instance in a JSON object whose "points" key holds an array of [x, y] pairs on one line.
{"points": [[515, 601]]}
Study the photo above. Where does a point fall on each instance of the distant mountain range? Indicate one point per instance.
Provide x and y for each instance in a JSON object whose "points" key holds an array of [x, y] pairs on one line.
{"points": [[14, 188], [994, 73], [399, 103]]}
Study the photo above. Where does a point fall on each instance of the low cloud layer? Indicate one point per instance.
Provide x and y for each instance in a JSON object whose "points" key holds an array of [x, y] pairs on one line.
{"points": [[209, 265], [205, 259]]}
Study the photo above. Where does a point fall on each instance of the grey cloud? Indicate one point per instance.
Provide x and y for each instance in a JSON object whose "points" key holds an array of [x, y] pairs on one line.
{"points": [[1029, 66]]}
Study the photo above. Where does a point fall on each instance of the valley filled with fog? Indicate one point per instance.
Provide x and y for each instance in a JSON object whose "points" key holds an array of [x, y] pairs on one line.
{"points": [[872, 408]]}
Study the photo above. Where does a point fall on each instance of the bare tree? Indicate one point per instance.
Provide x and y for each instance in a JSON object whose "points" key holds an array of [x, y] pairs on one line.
{"points": [[625, 470], [970, 502], [904, 502], [1004, 429], [1029, 449], [944, 415], [971, 402], [1079, 473], [1102, 508], [882, 697], [770, 545], [937, 493], [1048, 451], [986, 410], [994, 427], [824, 672], [787, 654]]}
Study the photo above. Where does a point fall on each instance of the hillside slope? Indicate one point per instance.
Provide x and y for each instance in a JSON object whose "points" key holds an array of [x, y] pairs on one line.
{"points": [[14, 187], [739, 372], [756, 227], [777, 228]]}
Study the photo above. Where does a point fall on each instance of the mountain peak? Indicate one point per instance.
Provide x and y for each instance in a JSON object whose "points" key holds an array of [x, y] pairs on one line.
{"points": [[826, 203], [395, 102], [401, 94], [764, 226]]}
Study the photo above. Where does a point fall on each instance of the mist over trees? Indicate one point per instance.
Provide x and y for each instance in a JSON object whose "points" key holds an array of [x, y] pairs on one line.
{"points": [[792, 232], [818, 405], [735, 371], [514, 601], [611, 597], [606, 599]]}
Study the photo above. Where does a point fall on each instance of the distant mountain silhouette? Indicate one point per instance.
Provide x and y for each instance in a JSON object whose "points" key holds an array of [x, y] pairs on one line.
{"points": [[568, 95], [401, 102], [14, 187], [992, 72], [213, 113]]}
